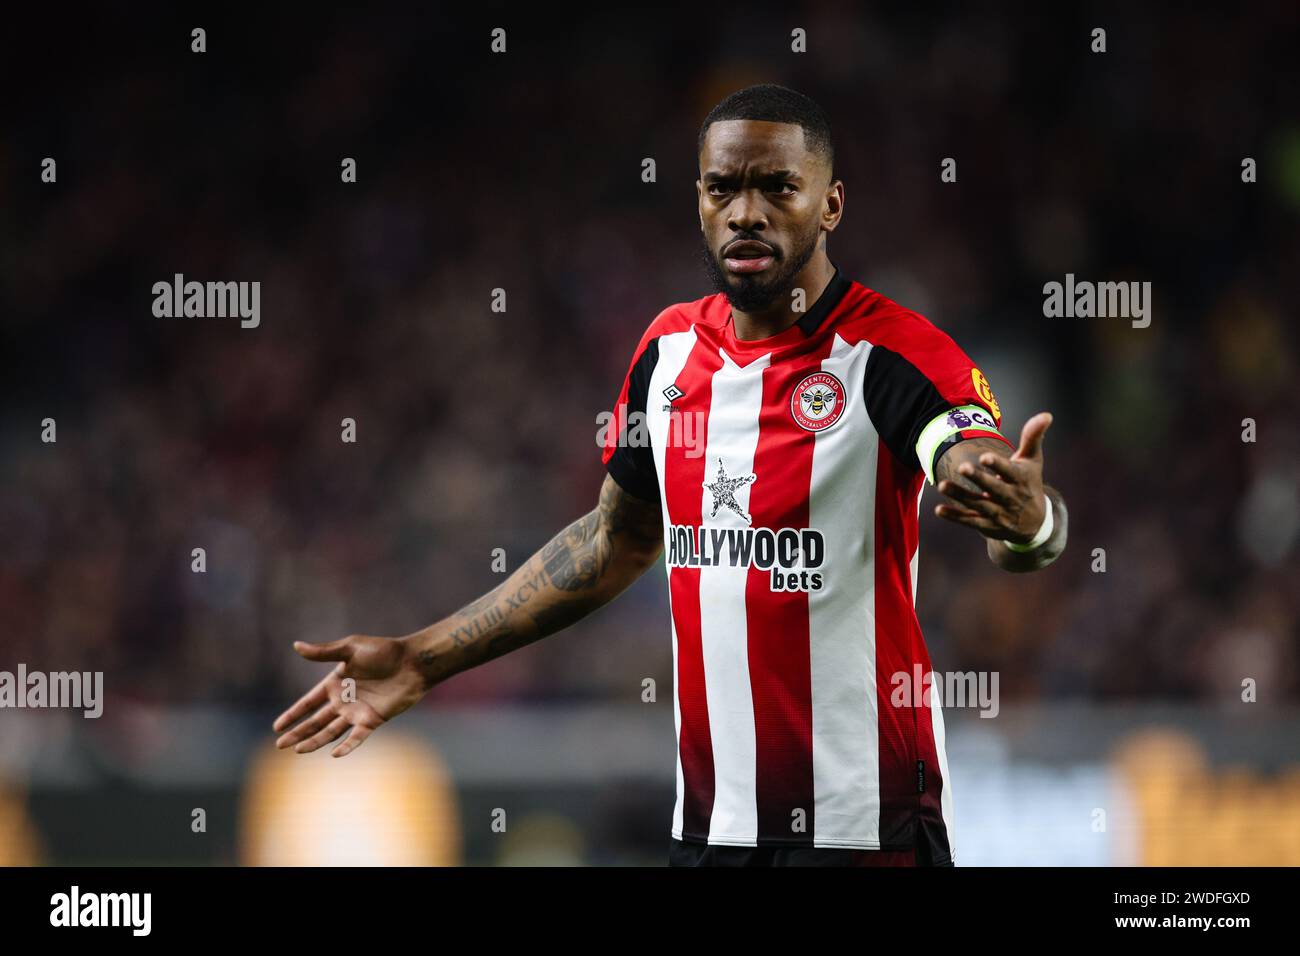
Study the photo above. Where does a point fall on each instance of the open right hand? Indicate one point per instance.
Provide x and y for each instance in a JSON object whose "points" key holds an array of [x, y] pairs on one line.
{"points": [[383, 683]]}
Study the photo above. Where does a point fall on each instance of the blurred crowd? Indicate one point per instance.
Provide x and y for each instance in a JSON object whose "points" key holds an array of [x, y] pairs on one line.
{"points": [[476, 430]]}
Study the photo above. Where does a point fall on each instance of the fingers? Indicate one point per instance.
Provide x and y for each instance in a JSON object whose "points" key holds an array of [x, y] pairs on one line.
{"points": [[964, 516], [340, 650], [332, 732], [969, 500], [315, 697], [308, 702], [355, 739], [308, 727], [998, 489], [1007, 468], [1031, 436]]}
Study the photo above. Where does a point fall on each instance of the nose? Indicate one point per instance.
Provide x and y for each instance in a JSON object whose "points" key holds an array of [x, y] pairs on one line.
{"points": [[746, 213]]}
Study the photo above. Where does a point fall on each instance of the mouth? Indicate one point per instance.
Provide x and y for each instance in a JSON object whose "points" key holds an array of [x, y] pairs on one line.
{"points": [[748, 256]]}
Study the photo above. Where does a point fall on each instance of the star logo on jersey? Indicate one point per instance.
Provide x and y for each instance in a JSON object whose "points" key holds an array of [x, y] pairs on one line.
{"points": [[724, 491], [817, 402]]}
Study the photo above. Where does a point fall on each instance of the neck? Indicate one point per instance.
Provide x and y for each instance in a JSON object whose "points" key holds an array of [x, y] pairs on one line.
{"points": [[779, 316]]}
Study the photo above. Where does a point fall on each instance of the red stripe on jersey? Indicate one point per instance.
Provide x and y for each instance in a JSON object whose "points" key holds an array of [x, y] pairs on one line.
{"points": [[780, 661], [897, 637], [684, 493]]}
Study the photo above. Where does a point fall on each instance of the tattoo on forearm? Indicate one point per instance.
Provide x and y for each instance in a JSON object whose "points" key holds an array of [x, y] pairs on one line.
{"points": [[621, 514], [576, 558], [559, 585], [487, 615]]}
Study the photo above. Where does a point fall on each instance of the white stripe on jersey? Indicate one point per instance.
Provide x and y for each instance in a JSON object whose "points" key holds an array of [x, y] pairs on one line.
{"points": [[842, 635], [724, 627]]}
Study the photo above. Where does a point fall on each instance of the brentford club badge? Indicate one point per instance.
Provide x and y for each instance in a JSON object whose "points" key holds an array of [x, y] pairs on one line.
{"points": [[817, 402]]}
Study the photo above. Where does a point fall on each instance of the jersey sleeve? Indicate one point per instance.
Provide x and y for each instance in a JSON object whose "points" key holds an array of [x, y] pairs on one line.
{"points": [[924, 394], [626, 450]]}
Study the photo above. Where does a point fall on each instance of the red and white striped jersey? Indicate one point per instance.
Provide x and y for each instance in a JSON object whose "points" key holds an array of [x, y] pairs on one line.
{"points": [[788, 475]]}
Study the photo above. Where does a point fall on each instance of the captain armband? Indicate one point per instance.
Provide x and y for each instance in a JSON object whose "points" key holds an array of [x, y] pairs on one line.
{"points": [[954, 425]]}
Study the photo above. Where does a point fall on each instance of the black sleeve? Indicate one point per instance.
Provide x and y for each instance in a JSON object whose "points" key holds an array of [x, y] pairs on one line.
{"points": [[632, 464], [901, 402]]}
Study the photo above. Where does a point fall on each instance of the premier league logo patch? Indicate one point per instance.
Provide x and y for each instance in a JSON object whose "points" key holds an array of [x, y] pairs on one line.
{"points": [[817, 402]]}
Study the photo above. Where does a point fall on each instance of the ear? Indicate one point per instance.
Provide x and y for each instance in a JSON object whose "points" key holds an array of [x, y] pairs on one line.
{"points": [[834, 206], [699, 198]]}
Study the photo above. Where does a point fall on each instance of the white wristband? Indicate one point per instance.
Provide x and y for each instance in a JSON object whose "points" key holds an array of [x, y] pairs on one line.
{"points": [[1044, 531]]}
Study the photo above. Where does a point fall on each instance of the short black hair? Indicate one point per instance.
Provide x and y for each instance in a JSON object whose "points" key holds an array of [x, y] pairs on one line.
{"points": [[776, 104]]}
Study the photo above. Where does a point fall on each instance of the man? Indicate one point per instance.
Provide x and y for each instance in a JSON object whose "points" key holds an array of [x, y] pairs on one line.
{"points": [[790, 541]]}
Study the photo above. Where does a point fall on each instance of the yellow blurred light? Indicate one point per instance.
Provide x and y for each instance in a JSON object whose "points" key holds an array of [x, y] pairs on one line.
{"points": [[19, 843], [389, 803], [1193, 815]]}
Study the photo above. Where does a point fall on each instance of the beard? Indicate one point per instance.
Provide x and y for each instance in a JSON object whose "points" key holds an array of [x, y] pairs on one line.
{"points": [[756, 293]]}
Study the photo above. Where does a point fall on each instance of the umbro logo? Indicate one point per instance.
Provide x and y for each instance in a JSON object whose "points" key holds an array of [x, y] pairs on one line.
{"points": [[672, 393]]}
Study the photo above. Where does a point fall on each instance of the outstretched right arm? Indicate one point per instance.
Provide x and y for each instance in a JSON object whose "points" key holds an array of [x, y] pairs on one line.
{"points": [[582, 568]]}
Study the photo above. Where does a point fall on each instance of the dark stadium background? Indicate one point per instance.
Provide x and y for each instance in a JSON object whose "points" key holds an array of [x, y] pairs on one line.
{"points": [[476, 430]]}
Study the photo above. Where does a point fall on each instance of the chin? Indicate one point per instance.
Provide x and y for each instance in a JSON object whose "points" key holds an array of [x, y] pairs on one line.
{"points": [[751, 298]]}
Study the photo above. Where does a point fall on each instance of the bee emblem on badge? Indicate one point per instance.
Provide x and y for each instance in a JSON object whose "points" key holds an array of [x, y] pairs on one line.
{"points": [[817, 402], [817, 399]]}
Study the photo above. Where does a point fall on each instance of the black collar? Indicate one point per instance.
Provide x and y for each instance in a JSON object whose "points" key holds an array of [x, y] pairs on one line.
{"points": [[826, 302]]}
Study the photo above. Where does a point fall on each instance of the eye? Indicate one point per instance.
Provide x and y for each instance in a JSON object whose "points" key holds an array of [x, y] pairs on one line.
{"points": [[718, 189], [782, 188]]}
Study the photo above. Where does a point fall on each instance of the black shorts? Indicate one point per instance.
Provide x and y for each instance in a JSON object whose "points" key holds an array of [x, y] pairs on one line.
{"points": [[681, 853]]}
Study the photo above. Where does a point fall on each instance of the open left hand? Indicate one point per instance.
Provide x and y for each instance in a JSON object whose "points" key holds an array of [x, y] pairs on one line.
{"points": [[1001, 497]]}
